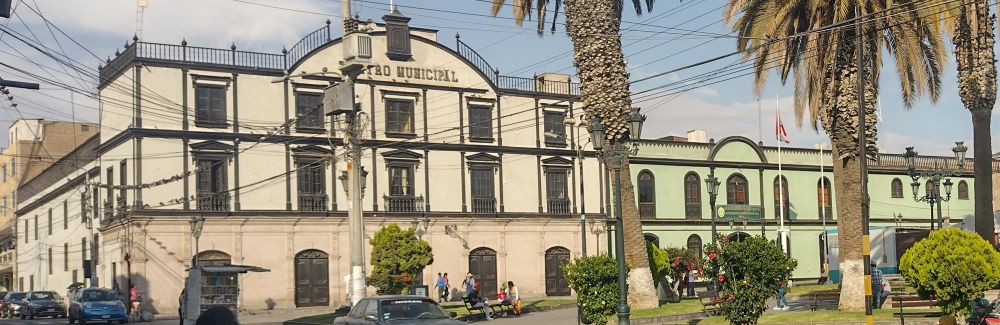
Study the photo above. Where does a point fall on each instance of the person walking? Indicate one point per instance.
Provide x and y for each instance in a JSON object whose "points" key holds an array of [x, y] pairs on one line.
{"points": [[441, 289], [886, 291], [876, 285], [691, 277], [782, 301], [447, 287], [514, 297]]}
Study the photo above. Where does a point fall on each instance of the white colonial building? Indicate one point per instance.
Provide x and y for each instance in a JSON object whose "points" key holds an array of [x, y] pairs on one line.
{"points": [[481, 164]]}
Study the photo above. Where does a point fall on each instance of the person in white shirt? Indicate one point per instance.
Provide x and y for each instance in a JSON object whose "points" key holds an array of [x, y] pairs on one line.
{"points": [[886, 291]]}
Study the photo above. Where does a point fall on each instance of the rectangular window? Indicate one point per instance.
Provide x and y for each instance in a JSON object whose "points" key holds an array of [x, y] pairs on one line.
{"points": [[401, 180], [110, 194], [211, 184], [482, 182], [50, 260], [75, 278], [25, 230], [556, 190], [312, 185], [480, 123], [555, 130], [65, 256], [36, 227], [50, 221], [399, 117], [122, 180], [210, 105], [83, 249], [94, 251], [309, 111], [31, 283]]}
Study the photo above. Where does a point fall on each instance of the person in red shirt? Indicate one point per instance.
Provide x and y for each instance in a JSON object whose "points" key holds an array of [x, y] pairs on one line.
{"points": [[133, 298]]}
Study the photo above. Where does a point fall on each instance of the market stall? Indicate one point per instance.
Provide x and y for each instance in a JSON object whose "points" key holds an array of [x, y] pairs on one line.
{"points": [[212, 286]]}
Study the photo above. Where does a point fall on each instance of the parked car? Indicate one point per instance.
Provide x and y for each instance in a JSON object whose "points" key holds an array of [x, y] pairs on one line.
{"points": [[12, 303], [97, 305], [42, 304], [416, 310]]}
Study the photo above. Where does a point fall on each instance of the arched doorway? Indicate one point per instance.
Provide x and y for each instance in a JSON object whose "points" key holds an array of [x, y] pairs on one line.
{"points": [[651, 238], [483, 265], [312, 278], [555, 279], [214, 258], [738, 236]]}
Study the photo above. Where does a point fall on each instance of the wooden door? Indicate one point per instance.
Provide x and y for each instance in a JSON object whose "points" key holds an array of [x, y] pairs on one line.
{"points": [[483, 265], [555, 279], [312, 279]]}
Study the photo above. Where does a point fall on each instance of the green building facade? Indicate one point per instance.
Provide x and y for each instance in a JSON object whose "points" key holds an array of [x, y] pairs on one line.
{"points": [[673, 198]]}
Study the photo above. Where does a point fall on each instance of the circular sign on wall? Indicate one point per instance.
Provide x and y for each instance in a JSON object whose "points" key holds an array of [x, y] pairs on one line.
{"points": [[721, 211]]}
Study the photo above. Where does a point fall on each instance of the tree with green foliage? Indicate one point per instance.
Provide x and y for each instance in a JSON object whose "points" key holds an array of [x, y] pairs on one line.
{"points": [[595, 280], [397, 256], [954, 265], [747, 272], [659, 263]]}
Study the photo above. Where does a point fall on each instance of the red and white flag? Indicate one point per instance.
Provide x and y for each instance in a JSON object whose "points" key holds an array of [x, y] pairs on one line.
{"points": [[779, 129]]}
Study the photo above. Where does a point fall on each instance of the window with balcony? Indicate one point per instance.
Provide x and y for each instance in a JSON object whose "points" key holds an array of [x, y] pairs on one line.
{"points": [[555, 129], [825, 197], [480, 123], [557, 191], [211, 183], [483, 195], [312, 184], [309, 112], [402, 165], [736, 190], [399, 118], [963, 190], [692, 196], [210, 105], [647, 194], [781, 198], [897, 188]]}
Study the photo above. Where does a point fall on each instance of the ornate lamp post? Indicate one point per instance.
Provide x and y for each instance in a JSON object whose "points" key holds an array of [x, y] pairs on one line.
{"points": [[934, 176], [713, 191], [615, 156], [197, 223]]}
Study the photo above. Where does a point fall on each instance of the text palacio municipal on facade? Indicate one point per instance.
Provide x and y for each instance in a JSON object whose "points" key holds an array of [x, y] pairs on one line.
{"points": [[480, 164]]}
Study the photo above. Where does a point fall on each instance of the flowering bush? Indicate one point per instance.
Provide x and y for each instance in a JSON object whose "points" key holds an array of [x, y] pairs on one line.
{"points": [[595, 280], [682, 261], [747, 273]]}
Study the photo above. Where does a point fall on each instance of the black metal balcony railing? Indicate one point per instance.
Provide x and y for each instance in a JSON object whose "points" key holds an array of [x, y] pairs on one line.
{"points": [[213, 201], [121, 206], [559, 206], [647, 210], [312, 202], [484, 205], [109, 212], [403, 203]]}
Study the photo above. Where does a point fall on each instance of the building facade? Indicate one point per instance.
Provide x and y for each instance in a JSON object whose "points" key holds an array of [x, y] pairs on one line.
{"points": [[34, 145]]}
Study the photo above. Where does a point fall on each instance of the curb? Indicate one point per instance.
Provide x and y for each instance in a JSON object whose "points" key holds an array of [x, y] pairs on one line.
{"points": [[467, 318], [663, 319]]}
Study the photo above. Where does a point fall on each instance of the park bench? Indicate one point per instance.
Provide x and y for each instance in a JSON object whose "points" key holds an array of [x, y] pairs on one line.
{"points": [[901, 301], [710, 303], [825, 299], [497, 308]]}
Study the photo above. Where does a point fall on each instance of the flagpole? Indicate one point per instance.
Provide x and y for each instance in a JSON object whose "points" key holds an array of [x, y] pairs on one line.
{"points": [[781, 190]]}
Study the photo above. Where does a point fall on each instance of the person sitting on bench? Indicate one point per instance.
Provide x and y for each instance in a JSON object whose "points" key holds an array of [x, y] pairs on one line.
{"points": [[478, 301]]}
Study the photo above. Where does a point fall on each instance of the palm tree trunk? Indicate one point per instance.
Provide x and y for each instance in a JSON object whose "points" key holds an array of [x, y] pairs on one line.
{"points": [[977, 87], [593, 27]]}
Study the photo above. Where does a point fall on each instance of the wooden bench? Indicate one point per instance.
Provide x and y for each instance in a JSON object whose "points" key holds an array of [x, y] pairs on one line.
{"points": [[901, 301], [825, 299], [496, 308], [710, 303]]}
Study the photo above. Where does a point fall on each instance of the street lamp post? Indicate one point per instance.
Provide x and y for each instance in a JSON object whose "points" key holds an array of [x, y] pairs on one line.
{"points": [[197, 223], [713, 191], [616, 156], [935, 176]]}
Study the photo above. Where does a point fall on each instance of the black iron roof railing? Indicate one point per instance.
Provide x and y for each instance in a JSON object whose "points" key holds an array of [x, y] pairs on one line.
{"points": [[279, 63]]}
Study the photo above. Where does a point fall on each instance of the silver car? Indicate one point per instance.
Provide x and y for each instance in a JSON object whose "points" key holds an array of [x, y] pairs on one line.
{"points": [[384, 310]]}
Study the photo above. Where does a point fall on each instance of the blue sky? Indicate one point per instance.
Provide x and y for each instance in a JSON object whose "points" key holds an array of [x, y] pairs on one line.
{"points": [[722, 109]]}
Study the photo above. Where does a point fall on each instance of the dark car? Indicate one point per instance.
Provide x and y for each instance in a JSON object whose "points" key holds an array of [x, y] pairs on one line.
{"points": [[380, 310], [96, 305], [3, 305], [12, 303], [42, 304]]}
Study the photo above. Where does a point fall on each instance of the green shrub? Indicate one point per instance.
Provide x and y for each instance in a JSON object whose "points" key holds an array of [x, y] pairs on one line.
{"points": [[659, 263], [595, 279], [954, 265], [747, 273], [397, 256]]}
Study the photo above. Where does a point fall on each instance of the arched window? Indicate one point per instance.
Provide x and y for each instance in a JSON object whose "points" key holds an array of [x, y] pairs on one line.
{"points": [[736, 190], [214, 258], [963, 190], [738, 236], [651, 238], [825, 198], [930, 189], [694, 243], [897, 188], [781, 198], [692, 196], [647, 194]]}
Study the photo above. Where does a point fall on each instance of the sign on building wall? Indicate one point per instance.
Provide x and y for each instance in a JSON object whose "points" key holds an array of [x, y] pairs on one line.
{"points": [[735, 212]]}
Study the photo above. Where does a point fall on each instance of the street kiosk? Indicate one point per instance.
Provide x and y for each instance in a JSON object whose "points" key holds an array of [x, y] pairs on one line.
{"points": [[212, 286]]}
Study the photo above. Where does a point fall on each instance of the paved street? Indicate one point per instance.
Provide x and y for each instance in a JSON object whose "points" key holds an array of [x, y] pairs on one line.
{"points": [[566, 316]]}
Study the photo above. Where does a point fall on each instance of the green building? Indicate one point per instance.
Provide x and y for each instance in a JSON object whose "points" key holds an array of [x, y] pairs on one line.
{"points": [[673, 199]]}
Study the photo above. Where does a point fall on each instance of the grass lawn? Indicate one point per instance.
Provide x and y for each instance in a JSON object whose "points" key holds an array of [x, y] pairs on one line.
{"points": [[806, 317], [809, 289], [325, 319], [685, 306]]}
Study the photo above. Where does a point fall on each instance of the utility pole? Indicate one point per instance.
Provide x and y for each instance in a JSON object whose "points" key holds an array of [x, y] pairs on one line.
{"points": [[863, 161]]}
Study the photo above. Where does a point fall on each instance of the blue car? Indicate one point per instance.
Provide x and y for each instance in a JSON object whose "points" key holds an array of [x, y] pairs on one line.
{"points": [[92, 305]]}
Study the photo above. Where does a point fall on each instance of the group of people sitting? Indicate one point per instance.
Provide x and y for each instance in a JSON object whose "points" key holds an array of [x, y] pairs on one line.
{"points": [[507, 296]]}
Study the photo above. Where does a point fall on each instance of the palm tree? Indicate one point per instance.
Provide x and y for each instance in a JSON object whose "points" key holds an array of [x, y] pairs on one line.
{"points": [[593, 28], [816, 42], [971, 27]]}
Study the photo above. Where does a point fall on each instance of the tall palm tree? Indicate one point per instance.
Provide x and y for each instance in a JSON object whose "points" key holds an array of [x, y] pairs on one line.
{"points": [[593, 27], [815, 41], [971, 27]]}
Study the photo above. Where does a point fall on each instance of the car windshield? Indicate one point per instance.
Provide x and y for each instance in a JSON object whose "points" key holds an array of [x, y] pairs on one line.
{"points": [[98, 295], [43, 295], [411, 309], [16, 296]]}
